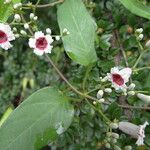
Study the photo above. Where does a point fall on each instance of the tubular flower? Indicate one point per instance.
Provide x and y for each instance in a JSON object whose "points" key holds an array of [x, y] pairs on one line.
{"points": [[6, 35], [41, 43], [135, 131], [119, 77]]}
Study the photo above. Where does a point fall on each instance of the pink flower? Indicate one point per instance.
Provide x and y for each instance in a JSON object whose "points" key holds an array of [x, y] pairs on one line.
{"points": [[119, 77], [6, 35], [41, 43]]}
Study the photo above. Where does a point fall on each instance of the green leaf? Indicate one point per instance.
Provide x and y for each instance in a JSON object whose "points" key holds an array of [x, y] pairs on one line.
{"points": [[137, 7], [6, 10], [79, 44], [37, 121]]}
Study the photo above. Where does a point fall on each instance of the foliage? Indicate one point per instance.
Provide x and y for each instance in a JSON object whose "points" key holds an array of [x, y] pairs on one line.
{"points": [[23, 73]]}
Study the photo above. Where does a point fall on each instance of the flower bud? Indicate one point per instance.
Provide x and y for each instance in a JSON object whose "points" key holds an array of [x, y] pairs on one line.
{"points": [[140, 30], [23, 32], [109, 134], [113, 125], [128, 147], [14, 29], [144, 98], [115, 135], [48, 31], [140, 37], [65, 32], [108, 90], [17, 35], [147, 44], [114, 141], [7, 1], [107, 145], [102, 100], [94, 103], [100, 94], [131, 93], [57, 38], [116, 147], [26, 26], [131, 86], [32, 15], [104, 79], [17, 17], [35, 18]]}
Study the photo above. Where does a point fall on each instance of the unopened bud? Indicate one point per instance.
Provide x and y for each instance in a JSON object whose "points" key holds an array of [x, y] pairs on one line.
{"points": [[23, 32], [109, 134], [147, 44], [48, 31], [94, 103], [32, 15], [144, 98], [57, 38], [17, 17], [140, 30], [113, 125], [131, 86], [131, 93], [26, 26], [114, 141], [140, 37], [116, 147], [102, 100], [100, 94], [107, 145], [128, 147], [7, 1], [115, 135], [108, 90], [104, 79]]}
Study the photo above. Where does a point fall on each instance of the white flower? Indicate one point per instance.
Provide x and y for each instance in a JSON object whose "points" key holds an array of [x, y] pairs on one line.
{"points": [[41, 43], [6, 35], [141, 134], [119, 77], [135, 131]]}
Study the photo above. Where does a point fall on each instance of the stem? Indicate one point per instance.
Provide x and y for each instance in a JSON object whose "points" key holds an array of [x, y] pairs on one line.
{"points": [[86, 76], [143, 68], [138, 60], [62, 76], [100, 111], [121, 48], [88, 96], [45, 5]]}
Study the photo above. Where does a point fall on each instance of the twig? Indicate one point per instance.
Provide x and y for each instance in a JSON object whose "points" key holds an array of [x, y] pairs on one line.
{"points": [[85, 95], [121, 48], [48, 5]]}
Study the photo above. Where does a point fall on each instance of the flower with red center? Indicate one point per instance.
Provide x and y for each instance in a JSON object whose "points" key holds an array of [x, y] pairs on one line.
{"points": [[6, 35], [119, 77], [41, 43]]}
